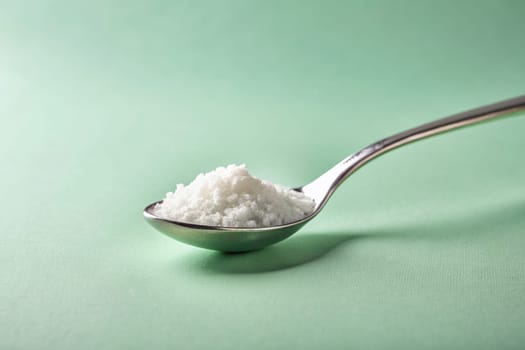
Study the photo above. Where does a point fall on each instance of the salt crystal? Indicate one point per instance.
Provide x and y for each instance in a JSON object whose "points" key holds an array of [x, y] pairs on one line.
{"points": [[231, 197]]}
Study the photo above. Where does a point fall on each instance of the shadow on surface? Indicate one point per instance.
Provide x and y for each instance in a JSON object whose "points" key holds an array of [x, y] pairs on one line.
{"points": [[305, 248], [295, 251]]}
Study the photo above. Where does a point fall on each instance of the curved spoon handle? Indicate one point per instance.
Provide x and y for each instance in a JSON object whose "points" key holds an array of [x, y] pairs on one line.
{"points": [[322, 188]]}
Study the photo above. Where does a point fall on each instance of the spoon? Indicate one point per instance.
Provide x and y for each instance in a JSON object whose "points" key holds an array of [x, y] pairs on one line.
{"points": [[241, 239]]}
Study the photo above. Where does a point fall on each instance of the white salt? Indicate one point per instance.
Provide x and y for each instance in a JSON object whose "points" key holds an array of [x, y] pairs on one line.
{"points": [[231, 197]]}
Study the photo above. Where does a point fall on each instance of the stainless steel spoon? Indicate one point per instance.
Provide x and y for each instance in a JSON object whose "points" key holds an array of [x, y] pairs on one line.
{"points": [[235, 239]]}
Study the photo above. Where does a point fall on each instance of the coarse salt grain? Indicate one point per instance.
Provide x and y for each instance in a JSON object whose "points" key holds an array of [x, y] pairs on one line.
{"points": [[231, 197]]}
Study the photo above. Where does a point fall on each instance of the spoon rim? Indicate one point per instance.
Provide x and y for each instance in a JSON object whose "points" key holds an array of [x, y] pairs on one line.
{"points": [[148, 214]]}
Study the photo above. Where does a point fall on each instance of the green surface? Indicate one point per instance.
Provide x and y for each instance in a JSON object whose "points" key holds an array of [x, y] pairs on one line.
{"points": [[105, 106]]}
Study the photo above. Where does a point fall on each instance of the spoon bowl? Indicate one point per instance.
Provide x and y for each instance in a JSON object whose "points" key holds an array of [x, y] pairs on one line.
{"points": [[242, 239], [224, 239]]}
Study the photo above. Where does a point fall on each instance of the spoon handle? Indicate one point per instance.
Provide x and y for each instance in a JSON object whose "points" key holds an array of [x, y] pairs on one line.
{"points": [[330, 180]]}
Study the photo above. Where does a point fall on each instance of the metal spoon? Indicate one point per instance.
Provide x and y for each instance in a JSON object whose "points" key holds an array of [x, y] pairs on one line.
{"points": [[236, 239]]}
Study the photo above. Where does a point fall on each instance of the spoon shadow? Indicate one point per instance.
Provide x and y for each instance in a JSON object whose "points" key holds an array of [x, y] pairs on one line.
{"points": [[295, 251], [302, 249]]}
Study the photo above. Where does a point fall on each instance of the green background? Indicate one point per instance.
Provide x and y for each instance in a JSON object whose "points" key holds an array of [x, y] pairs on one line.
{"points": [[106, 105]]}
